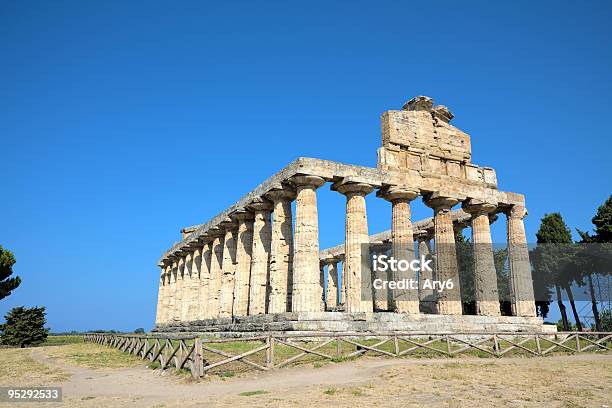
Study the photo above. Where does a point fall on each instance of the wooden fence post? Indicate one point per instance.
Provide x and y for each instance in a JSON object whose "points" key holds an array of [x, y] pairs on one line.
{"points": [[270, 351], [197, 364]]}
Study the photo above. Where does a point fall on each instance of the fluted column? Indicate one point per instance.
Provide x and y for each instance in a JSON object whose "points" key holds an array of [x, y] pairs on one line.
{"points": [[521, 283], [244, 246], [322, 282], [166, 292], [449, 300], [214, 282], [203, 298], [228, 267], [160, 297], [485, 276], [306, 294], [402, 241], [260, 256], [194, 297], [178, 291], [172, 290], [427, 297], [358, 279], [281, 251], [186, 289], [332, 285]]}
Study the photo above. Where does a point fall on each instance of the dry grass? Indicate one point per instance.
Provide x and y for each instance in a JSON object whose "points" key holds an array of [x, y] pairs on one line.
{"points": [[19, 368], [90, 355]]}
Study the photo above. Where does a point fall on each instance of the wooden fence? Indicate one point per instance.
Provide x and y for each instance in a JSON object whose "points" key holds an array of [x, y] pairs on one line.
{"points": [[200, 356]]}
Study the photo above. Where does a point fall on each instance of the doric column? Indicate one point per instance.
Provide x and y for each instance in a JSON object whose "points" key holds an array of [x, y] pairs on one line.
{"points": [[160, 296], [214, 282], [260, 256], [427, 297], [178, 291], [186, 296], [306, 294], [281, 251], [203, 311], [172, 290], [358, 279], [322, 282], [485, 276], [332, 285], [167, 268], [194, 298], [449, 300], [521, 283], [402, 241], [244, 246], [228, 267]]}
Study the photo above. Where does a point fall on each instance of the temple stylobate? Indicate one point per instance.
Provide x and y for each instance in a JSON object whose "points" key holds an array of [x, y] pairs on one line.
{"points": [[257, 266]]}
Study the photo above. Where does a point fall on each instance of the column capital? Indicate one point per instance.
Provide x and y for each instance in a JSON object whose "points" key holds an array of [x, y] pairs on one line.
{"points": [[228, 224], [440, 202], [396, 193], [477, 207], [242, 215], [260, 204], [516, 211], [280, 194], [352, 188], [424, 235], [307, 180], [216, 232]]}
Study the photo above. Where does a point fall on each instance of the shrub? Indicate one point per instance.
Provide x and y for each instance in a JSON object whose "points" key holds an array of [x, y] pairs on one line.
{"points": [[24, 327]]}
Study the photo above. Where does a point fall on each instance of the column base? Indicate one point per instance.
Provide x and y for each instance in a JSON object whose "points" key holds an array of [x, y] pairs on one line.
{"points": [[340, 322]]}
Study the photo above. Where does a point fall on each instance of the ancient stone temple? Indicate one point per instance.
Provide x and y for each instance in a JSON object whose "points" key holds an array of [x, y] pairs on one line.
{"points": [[257, 265]]}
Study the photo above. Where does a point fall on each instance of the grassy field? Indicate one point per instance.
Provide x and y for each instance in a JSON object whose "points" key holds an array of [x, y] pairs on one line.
{"points": [[122, 381], [92, 356], [20, 367]]}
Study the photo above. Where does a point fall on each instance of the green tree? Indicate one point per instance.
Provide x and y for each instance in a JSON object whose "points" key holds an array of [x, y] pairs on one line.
{"points": [[139, 330], [500, 257], [606, 320], [7, 284], [556, 261], [24, 327], [596, 258], [465, 264], [603, 222]]}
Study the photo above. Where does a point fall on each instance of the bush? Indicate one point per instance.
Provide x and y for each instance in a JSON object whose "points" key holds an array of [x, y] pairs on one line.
{"points": [[24, 327], [139, 330]]}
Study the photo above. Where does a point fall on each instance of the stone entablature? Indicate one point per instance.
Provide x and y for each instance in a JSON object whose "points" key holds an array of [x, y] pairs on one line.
{"points": [[253, 259], [419, 139]]}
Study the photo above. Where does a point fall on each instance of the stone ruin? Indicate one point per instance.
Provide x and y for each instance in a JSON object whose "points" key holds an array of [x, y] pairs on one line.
{"points": [[254, 267]]}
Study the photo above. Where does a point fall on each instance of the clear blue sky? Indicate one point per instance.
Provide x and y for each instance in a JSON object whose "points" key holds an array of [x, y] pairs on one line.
{"points": [[122, 121]]}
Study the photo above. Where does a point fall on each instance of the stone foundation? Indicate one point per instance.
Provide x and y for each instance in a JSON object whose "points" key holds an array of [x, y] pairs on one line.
{"points": [[340, 322]]}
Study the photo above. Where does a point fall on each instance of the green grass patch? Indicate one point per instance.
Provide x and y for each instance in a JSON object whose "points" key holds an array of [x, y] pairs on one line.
{"points": [[59, 340], [330, 391], [91, 355], [251, 393]]}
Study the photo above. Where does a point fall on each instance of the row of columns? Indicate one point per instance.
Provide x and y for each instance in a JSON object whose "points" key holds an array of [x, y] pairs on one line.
{"points": [[245, 266]]}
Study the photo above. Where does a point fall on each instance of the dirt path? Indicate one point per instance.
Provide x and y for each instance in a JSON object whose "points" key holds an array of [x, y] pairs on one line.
{"points": [[294, 386]]}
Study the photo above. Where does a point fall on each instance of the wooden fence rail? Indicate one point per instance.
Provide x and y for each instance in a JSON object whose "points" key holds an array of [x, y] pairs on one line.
{"points": [[188, 353]]}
